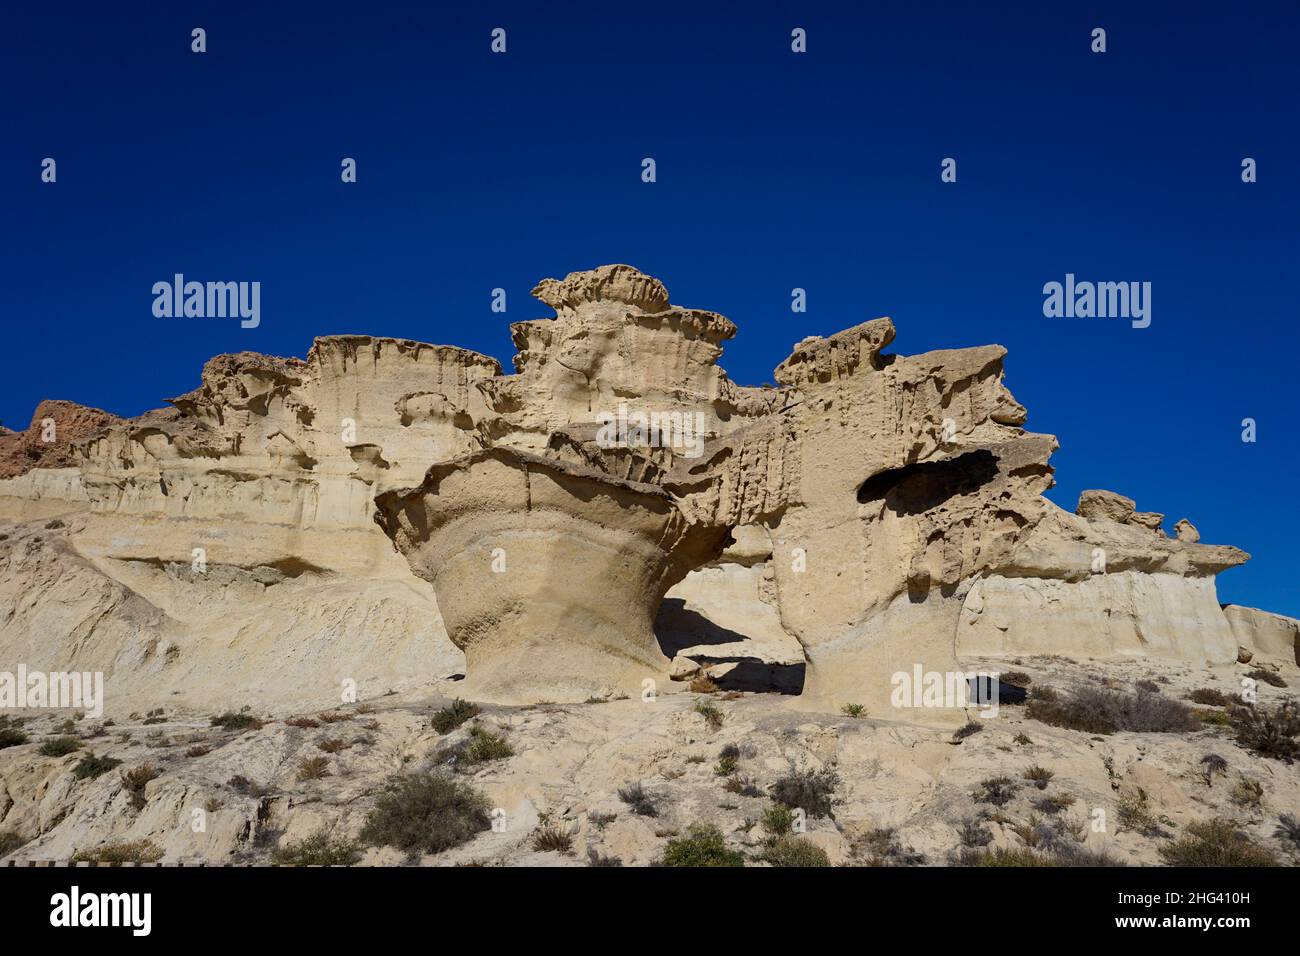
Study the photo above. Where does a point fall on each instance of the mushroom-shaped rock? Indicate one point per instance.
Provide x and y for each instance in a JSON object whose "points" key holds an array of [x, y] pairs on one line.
{"points": [[548, 574]]}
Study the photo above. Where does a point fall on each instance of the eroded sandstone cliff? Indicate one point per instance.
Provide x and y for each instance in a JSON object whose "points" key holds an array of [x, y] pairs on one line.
{"points": [[392, 513]]}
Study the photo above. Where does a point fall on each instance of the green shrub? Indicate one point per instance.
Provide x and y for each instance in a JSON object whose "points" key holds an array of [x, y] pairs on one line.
{"points": [[12, 737], [426, 813], [60, 746], [1216, 842], [483, 746], [90, 766], [453, 715], [794, 851], [318, 849], [703, 846], [778, 819], [853, 710]]}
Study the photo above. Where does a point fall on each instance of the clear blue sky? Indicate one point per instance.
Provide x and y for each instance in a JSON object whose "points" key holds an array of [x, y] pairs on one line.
{"points": [[775, 170]]}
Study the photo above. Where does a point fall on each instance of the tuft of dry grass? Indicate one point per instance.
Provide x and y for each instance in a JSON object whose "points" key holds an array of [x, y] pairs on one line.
{"points": [[313, 768]]}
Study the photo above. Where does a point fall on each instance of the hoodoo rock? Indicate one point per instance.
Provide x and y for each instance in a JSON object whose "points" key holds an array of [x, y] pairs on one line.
{"points": [[388, 514]]}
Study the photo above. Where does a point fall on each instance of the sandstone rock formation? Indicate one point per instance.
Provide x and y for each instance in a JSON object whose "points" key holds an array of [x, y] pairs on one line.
{"points": [[367, 514]]}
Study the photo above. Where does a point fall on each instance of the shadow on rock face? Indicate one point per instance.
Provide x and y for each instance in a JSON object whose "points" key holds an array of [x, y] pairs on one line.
{"points": [[924, 485], [679, 628]]}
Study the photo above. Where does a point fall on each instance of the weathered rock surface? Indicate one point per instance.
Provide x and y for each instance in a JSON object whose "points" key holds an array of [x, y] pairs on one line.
{"points": [[1265, 636], [50, 439], [323, 517]]}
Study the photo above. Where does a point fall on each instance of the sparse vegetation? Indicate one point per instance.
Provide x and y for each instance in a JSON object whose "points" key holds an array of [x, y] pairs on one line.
{"points": [[306, 723], [1266, 676], [1288, 829], [1248, 794], [1040, 777], [140, 851], [726, 766], [601, 820], [811, 790], [778, 819], [332, 745], [318, 849], [60, 746], [794, 851], [241, 784], [882, 847], [453, 715], [10, 841], [1212, 764], [89, 767], [1022, 740], [1096, 710], [551, 839], [742, 787], [483, 746], [853, 710], [1269, 733], [198, 750], [1018, 678], [967, 729], [332, 717], [973, 834], [641, 802], [596, 858], [1134, 812], [998, 791], [426, 813], [313, 768], [1209, 696], [711, 714], [12, 737], [1216, 842], [703, 846], [704, 684], [134, 781], [1054, 804], [232, 721]]}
